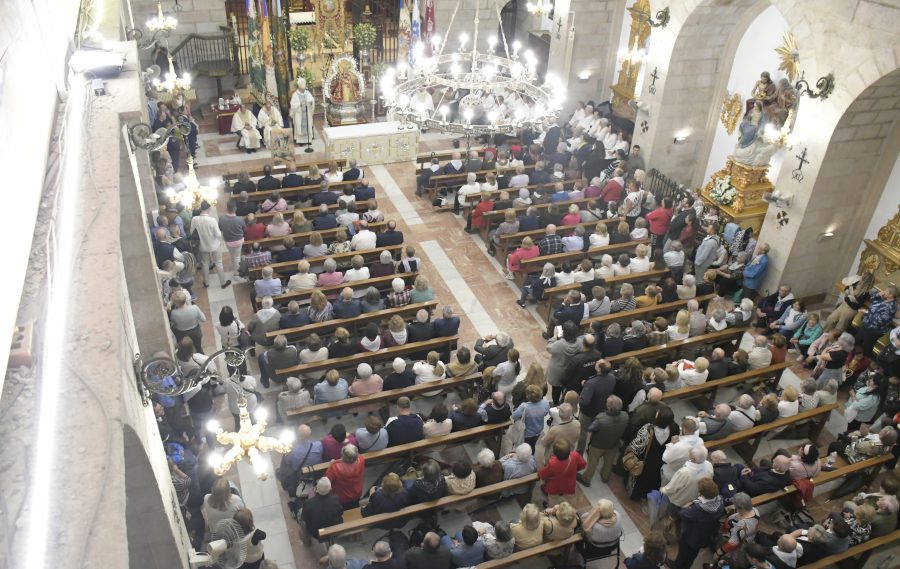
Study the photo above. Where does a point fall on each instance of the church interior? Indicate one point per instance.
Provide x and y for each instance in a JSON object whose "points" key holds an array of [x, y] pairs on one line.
{"points": [[431, 284]]}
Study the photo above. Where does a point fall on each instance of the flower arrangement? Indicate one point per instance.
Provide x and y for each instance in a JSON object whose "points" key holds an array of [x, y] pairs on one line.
{"points": [[364, 35], [723, 192], [299, 38], [307, 74]]}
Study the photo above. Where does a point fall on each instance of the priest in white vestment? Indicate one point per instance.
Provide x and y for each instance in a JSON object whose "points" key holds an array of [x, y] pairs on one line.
{"points": [[269, 117], [244, 124], [302, 106]]}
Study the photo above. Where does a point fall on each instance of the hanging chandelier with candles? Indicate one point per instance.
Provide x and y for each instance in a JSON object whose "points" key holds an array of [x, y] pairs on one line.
{"points": [[161, 22], [192, 193], [540, 8], [171, 82], [481, 93], [249, 442]]}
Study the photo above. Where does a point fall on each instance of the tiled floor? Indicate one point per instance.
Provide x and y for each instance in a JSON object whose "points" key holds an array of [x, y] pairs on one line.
{"points": [[463, 276]]}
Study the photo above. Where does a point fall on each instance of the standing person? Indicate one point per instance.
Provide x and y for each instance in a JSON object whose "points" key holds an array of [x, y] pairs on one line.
{"points": [[877, 318], [532, 413], [659, 222], [210, 244], [302, 107], [253, 538], [232, 228], [561, 353], [607, 428], [186, 320], [643, 455], [755, 272], [558, 476], [700, 521], [707, 251]]}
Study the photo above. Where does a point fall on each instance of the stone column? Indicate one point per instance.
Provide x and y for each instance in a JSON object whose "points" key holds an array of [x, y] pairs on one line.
{"points": [[597, 26]]}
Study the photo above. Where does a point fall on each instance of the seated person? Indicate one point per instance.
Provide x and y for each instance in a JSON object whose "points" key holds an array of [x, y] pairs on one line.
{"points": [[430, 487], [405, 427], [759, 480], [389, 497], [401, 376], [373, 436], [715, 426]]}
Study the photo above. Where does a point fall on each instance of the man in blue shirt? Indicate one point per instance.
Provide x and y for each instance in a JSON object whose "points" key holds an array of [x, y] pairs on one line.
{"points": [[755, 272], [268, 285], [324, 195], [466, 550], [306, 452], [406, 427], [446, 326], [559, 193], [364, 191], [337, 559], [877, 318], [325, 219]]}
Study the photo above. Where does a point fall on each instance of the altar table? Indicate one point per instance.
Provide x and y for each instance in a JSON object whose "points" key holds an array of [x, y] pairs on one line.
{"points": [[372, 143]]}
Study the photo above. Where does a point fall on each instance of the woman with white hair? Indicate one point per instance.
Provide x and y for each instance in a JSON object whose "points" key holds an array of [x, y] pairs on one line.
{"points": [[470, 188], [605, 270], [626, 300], [693, 373], [384, 267], [488, 469], [745, 414], [741, 315], [641, 261], [741, 526], [688, 288], [535, 284], [493, 349], [429, 371], [303, 279], [518, 464], [294, 398], [602, 524], [366, 383], [330, 276], [398, 296], [828, 394]]}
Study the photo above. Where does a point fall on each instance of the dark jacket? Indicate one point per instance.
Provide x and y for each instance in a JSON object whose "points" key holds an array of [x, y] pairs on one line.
{"points": [[461, 421], [341, 350], [364, 193], [326, 221], [726, 477], [352, 174], [246, 208], [291, 181], [420, 331], [581, 368], [610, 427], [294, 320], [492, 354], [422, 491], [396, 380], [418, 558], [717, 369], [444, 327], [529, 222], [346, 309], [268, 183], [764, 481], [573, 312], [326, 197], [389, 237], [404, 429], [632, 343], [594, 395], [701, 522], [321, 512], [381, 503]]}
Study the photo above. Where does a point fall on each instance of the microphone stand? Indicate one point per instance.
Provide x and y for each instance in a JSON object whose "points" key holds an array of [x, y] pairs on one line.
{"points": [[309, 126]]}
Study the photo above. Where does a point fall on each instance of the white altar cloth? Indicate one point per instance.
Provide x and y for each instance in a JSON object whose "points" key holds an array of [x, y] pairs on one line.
{"points": [[372, 143]]}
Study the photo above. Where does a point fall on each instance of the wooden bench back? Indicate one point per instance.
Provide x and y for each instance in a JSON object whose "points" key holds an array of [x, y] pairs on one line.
{"points": [[651, 352], [329, 326], [537, 263], [281, 169], [309, 212], [383, 355], [646, 312], [370, 256], [303, 237], [424, 444], [866, 547], [759, 430], [690, 391], [381, 283]]}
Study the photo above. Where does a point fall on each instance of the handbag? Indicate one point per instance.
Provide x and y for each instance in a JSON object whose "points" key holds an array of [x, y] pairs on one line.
{"points": [[633, 464], [244, 339]]}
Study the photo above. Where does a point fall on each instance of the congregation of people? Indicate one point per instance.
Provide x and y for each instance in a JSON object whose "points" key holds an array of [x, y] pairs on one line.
{"points": [[590, 408]]}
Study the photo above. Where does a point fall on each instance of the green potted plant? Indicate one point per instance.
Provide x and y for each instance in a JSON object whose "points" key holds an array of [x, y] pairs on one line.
{"points": [[364, 36], [307, 74], [299, 39]]}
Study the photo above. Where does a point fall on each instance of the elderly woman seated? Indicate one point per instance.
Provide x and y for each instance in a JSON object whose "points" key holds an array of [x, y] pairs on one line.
{"points": [[745, 414], [688, 288], [303, 279], [693, 373], [391, 496], [641, 261]]}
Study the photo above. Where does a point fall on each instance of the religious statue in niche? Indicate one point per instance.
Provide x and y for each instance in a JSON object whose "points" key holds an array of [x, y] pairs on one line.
{"points": [[342, 89]]}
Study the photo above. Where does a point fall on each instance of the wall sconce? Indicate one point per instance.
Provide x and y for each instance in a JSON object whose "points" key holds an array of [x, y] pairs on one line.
{"points": [[825, 236], [680, 139], [584, 75]]}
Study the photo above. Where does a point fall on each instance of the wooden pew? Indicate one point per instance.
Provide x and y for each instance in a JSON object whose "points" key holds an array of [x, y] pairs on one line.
{"points": [[309, 212], [704, 395], [495, 217], [279, 169], [864, 550], [646, 312], [355, 523], [494, 431], [473, 199], [554, 295], [824, 477], [303, 237], [536, 264], [382, 355], [513, 240], [328, 327], [726, 336], [746, 442], [385, 397], [370, 256], [381, 283], [536, 551], [299, 193], [443, 181], [423, 159]]}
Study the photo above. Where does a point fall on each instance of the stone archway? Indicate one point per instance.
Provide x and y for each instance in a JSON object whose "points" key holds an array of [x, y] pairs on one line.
{"points": [[696, 63], [151, 541], [852, 173]]}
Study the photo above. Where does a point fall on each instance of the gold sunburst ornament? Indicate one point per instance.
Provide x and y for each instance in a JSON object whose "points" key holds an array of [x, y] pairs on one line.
{"points": [[790, 56], [731, 111]]}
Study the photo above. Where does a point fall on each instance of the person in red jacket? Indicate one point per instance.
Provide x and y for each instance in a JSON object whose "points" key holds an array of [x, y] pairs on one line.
{"points": [[253, 229], [558, 476], [346, 476], [659, 220], [528, 250], [613, 190], [477, 219]]}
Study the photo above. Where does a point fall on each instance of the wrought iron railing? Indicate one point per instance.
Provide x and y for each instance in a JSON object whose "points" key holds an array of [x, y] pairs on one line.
{"points": [[661, 186], [207, 54]]}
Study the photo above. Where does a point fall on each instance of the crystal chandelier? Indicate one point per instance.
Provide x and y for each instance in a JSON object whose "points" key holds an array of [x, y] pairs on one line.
{"points": [[478, 79], [171, 81], [248, 442], [192, 193], [160, 21], [540, 8]]}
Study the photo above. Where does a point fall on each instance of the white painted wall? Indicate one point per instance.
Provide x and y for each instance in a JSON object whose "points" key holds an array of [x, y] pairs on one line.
{"points": [[755, 54], [887, 208]]}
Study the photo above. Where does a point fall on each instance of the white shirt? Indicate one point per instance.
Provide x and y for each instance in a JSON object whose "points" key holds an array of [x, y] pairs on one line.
{"points": [[639, 265], [619, 270], [743, 418], [598, 240], [788, 408], [676, 454], [674, 258], [691, 376], [468, 190], [518, 181], [564, 278], [583, 276], [576, 117], [363, 240], [208, 231]]}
